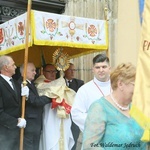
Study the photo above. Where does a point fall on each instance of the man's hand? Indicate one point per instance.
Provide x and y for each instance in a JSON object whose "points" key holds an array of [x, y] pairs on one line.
{"points": [[21, 123], [24, 91]]}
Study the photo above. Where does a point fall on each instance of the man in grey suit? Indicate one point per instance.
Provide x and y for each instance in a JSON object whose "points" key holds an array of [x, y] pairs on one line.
{"points": [[10, 106], [33, 111], [74, 84]]}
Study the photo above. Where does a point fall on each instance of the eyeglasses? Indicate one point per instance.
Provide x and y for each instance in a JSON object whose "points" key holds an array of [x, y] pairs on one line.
{"points": [[50, 71]]}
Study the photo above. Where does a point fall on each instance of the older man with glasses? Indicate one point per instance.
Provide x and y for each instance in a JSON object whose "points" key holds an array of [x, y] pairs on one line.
{"points": [[53, 128], [49, 74]]}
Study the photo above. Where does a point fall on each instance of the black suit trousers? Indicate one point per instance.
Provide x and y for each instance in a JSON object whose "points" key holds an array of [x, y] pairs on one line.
{"points": [[31, 141]]}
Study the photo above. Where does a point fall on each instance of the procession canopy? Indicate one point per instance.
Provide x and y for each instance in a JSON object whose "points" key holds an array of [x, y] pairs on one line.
{"points": [[48, 31]]}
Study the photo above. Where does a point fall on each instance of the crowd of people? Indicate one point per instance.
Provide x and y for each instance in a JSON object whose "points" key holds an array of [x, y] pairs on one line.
{"points": [[109, 124], [98, 109]]}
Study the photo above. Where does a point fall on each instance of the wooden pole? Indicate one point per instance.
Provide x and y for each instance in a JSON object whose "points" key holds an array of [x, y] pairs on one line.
{"points": [[25, 67], [106, 18]]}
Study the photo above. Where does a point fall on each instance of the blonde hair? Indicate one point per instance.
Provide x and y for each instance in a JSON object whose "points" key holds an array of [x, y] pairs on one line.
{"points": [[124, 72]]}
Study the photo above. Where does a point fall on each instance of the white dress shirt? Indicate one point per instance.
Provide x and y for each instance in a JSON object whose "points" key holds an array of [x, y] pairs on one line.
{"points": [[8, 80]]}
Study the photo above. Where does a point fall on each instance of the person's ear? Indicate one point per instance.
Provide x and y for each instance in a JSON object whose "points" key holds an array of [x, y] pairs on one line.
{"points": [[5, 67], [120, 85]]}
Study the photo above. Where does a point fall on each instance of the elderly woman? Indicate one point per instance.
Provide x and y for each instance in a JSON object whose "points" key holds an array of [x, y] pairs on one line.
{"points": [[109, 125]]}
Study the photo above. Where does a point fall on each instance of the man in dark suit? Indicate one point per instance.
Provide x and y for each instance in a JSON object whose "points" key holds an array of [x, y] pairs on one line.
{"points": [[10, 104], [33, 111], [74, 84]]}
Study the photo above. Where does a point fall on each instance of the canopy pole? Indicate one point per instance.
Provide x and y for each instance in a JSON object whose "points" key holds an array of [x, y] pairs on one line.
{"points": [[28, 21], [106, 18]]}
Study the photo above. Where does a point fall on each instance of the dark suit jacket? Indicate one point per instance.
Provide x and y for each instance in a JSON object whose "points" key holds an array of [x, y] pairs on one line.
{"points": [[10, 106], [34, 110], [75, 85], [33, 115]]}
